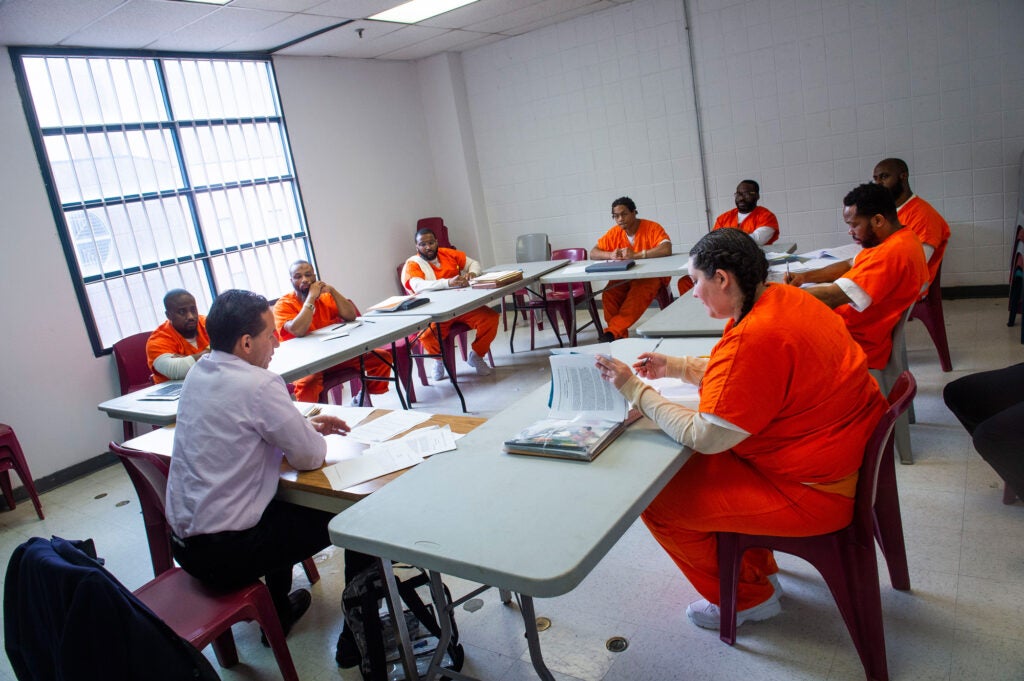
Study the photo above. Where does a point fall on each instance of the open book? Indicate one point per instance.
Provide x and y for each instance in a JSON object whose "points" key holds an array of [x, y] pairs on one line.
{"points": [[399, 304], [496, 279], [586, 414]]}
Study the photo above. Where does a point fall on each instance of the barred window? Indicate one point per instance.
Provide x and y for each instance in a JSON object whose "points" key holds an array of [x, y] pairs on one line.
{"points": [[164, 172]]}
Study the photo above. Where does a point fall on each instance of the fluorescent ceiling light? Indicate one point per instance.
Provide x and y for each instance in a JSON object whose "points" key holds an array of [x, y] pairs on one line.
{"points": [[209, 2], [418, 10]]}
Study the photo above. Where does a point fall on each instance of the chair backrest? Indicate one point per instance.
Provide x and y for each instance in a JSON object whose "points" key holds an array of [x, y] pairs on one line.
{"points": [[878, 448], [148, 473], [572, 255], [130, 357], [437, 226], [532, 247]]}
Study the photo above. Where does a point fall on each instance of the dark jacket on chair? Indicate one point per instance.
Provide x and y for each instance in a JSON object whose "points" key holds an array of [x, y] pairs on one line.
{"points": [[68, 619]]}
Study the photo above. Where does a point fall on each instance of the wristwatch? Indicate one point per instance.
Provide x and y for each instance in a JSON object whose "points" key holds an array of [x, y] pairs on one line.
{"points": [[310, 306]]}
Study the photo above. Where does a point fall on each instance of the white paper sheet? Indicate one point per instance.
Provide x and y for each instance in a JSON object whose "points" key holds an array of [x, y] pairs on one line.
{"points": [[578, 387], [388, 426], [375, 462]]}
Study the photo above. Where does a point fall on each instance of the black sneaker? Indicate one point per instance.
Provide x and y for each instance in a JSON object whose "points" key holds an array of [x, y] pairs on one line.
{"points": [[605, 337], [347, 654]]}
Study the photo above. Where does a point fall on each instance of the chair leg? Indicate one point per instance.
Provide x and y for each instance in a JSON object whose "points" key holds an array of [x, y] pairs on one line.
{"points": [[902, 436], [729, 559], [225, 650], [268, 620], [5, 485], [889, 525], [312, 573]]}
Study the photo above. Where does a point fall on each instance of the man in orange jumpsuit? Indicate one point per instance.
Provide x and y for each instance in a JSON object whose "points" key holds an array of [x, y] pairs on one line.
{"points": [[434, 268], [885, 278], [625, 301], [312, 305], [777, 448], [177, 344], [757, 221], [913, 212]]}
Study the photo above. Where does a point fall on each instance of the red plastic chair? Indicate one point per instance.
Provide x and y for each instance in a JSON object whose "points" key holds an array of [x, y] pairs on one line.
{"points": [[437, 226], [13, 459], [132, 369], [565, 297], [199, 614], [929, 311], [845, 558]]}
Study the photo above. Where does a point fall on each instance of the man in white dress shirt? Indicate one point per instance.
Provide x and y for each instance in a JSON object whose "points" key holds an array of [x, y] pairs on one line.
{"points": [[236, 422]]}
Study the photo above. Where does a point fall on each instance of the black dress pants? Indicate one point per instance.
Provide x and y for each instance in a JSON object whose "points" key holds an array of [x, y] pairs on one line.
{"points": [[286, 534], [990, 405]]}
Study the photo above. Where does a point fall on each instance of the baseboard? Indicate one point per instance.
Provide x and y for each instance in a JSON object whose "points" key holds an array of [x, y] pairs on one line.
{"points": [[66, 475], [989, 291]]}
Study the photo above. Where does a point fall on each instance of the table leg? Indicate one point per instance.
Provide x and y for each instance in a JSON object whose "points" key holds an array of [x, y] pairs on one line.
{"points": [[394, 601], [448, 362], [533, 638]]}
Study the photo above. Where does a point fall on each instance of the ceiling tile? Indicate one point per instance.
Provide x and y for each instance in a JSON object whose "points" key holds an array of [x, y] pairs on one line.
{"points": [[449, 41], [138, 23], [215, 30], [294, 27], [47, 22]]}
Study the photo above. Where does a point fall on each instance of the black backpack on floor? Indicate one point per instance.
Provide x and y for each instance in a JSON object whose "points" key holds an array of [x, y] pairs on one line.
{"points": [[360, 603]]}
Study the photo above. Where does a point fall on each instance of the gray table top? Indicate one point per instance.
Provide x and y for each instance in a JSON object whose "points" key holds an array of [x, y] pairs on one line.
{"points": [[686, 316], [447, 304], [669, 266], [533, 525], [293, 359]]}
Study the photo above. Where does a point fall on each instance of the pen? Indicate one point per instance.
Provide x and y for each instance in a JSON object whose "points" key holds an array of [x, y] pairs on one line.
{"points": [[338, 326], [656, 346]]}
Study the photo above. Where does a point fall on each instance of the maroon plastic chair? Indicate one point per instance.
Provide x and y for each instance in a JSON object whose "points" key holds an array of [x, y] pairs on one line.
{"points": [[437, 226], [929, 311], [13, 459], [565, 297], [845, 558], [199, 614], [132, 369]]}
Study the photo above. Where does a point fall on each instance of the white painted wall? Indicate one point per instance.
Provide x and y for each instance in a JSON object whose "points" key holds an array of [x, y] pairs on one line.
{"points": [[569, 117], [359, 139]]}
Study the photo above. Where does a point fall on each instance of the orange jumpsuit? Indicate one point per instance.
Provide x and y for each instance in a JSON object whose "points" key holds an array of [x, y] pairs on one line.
{"points": [[796, 474], [308, 388], [759, 217], [893, 273], [166, 340], [483, 320], [930, 227], [624, 301]]}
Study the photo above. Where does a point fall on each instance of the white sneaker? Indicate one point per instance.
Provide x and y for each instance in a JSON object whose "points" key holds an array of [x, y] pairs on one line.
{"points": [[706, 615], [774, 579], [479, 363], [438, 370]]}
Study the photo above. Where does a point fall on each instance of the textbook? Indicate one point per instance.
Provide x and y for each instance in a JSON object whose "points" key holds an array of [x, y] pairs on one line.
{"points": [[587, 413], [496, 279], [167, 393], [610, 266], [399, 304]]}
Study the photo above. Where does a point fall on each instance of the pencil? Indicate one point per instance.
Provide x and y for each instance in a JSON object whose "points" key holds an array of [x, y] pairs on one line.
{"points": [[656, 346]]}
